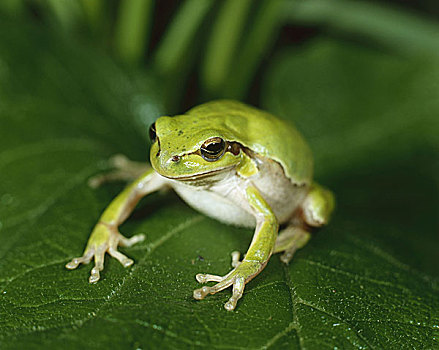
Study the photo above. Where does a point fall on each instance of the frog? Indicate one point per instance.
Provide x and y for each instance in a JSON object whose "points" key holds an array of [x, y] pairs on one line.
{"points": [[232, 162]]}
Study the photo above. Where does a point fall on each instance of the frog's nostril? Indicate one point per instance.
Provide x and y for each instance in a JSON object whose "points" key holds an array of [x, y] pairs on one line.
{"points": [[175, 159]]}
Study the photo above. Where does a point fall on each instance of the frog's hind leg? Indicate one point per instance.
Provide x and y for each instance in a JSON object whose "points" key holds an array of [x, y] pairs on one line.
{"points": [[314, 212], [124, 169], [289, 240]]}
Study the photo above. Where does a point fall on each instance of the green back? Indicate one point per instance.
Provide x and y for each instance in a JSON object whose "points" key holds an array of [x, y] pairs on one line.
{"points": [[262, 132]]}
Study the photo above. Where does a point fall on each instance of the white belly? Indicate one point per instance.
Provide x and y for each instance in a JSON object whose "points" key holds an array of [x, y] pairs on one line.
{"points": [[224, 199], [216, 206]]}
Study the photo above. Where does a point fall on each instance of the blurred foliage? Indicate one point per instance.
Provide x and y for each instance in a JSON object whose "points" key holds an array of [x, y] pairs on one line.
{"points": [[82, 80], [222, 45]]}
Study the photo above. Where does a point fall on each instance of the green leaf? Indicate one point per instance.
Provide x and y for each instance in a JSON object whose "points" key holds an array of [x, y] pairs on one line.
{"points": [[390, 27], [65, 109]]}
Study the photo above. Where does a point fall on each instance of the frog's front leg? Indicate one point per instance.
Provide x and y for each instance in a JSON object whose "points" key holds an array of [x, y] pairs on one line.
{"points": [[256, 258], [105, 236]]}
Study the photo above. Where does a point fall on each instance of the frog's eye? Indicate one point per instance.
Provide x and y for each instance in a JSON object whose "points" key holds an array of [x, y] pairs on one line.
{"points": [[152, 133], [213, 149]]}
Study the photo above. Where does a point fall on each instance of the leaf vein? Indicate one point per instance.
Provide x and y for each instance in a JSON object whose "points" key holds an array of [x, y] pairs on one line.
{"points": [[355, 276], [291, 326], [347, 322], [34, 213], [264, 286], [150, 249], [433, 282], [9, 280], [294, 302]]}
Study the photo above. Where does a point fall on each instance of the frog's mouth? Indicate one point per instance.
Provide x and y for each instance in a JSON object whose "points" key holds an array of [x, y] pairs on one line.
{"points": [[211, 175]]}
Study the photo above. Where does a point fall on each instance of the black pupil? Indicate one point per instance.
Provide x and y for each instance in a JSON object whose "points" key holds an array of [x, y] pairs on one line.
{"points": [[215, 147], [152, 133]]}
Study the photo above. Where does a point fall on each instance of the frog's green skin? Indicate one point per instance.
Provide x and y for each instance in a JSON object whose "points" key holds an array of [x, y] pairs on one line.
{"points": [[261, 180]]}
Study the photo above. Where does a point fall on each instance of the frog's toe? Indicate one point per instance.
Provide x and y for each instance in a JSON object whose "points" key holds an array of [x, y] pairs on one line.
{"points": [[237, 278], [99, 264], [85, 259], [235, 258], [94, 275], [223, 283], [202, 292], [205, 277], [123, 259], [238, 290], [289, 241], [287, 256], [128, 242]]}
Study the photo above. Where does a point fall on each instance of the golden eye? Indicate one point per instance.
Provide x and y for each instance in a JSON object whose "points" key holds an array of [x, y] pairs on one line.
{"points": [[152, 133], [213, 149]]}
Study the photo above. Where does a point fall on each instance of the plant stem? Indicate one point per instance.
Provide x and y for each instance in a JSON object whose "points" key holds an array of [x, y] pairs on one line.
{"points": [[66, 12], [93, 12], [258, 40], [180, 34], [221, 47], [132, 26]]}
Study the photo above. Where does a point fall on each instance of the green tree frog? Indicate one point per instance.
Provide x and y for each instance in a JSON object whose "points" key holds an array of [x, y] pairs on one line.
{"points": [[234, 163]]}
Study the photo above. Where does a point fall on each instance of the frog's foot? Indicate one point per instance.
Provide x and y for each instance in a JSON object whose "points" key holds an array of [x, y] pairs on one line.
{"points": [[237, 278], [104, 239], [124, 170], [235, 258], [289, 240]]}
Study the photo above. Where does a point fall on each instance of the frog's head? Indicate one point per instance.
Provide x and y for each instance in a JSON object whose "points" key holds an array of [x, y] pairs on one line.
{"points": [[185, 147]]}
